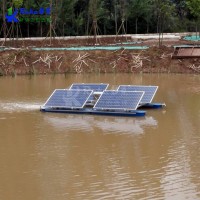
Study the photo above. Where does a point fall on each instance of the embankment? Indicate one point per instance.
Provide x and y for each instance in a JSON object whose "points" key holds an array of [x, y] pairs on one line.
{"points": [[20, 61]]}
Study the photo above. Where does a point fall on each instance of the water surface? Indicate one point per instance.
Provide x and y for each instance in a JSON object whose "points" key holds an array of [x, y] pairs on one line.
{"points": [[48, 156]]}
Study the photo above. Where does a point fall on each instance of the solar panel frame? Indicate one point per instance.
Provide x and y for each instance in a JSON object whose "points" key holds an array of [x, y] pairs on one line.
{"points": [[145, 98], [141, 93], [69, 107], [90, 84]]}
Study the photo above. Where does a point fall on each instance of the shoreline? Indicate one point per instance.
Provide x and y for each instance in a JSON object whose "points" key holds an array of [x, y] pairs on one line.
{"points": [[25, 61]]}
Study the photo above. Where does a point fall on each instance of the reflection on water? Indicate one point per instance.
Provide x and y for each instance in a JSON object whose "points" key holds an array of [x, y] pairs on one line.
{"points": [[82, 157], [106, 124], [123, 125], [70, 122]]}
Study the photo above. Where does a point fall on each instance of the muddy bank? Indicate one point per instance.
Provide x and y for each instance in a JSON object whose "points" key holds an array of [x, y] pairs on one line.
{"points": [[152, 60]]}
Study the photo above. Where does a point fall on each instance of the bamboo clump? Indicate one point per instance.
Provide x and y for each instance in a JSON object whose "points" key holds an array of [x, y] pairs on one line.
{"points": [[195, 68], [48, 59], [82, 61]]}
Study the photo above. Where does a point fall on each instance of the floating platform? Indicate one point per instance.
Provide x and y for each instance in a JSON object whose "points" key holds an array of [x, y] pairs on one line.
{"points": [[90, 111], [95, 99], [152, 105]]}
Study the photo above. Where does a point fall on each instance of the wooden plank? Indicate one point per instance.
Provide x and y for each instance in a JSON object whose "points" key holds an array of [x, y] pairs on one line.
{"points": [[186, 52]]}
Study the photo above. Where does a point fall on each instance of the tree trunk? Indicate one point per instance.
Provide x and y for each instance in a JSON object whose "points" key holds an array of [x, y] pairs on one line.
{"points": [[126, 30], [161, 26], [136, 25], [116, 28], [196, 30], [17, 31], [158, 22], [159, 31], [41, 29], [4, 21], [50, 25], [28, 29], [88, 23], [63, 29], [95, 31], [147, 27], [77, 28]]}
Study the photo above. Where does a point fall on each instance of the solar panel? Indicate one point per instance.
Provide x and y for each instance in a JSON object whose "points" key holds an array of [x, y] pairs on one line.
{"points": [[96, 87], [62, 98], [118, 100], [149, 91]]}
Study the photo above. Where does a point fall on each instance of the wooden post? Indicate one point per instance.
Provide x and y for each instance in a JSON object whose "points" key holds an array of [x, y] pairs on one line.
{"points": [[50, 26], [4, 21]]}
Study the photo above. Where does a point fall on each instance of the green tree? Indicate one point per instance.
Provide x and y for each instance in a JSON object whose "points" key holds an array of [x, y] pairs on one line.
{"points": [[164, 13], [66, 17], [139, 10], [76, 17], [194, 7], [180, 8], [17, 3], [97, 12]]}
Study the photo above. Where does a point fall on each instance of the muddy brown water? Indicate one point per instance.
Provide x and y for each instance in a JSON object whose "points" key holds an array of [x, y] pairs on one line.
{"points": [[45, 156]]}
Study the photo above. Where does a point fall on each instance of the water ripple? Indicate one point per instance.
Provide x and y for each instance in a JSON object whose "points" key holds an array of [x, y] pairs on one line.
{"points": [[11, 107]]}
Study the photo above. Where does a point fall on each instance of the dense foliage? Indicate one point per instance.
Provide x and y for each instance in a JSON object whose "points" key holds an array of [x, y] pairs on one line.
{"points": [[83, 17]]}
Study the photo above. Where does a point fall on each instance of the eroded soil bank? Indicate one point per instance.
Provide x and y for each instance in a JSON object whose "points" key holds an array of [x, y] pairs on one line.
{"points": [[23, 60]]}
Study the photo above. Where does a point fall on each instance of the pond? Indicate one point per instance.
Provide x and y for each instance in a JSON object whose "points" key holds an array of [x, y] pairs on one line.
{"points": [[64, 156]]}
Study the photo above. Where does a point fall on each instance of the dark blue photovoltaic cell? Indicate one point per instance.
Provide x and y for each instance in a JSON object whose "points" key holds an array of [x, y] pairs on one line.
{"points": [[68, 98], [149, 91], [114, 100], [96, 87]]}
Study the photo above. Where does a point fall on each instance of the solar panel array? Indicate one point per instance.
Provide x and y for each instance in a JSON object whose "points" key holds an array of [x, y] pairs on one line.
{"points": [[126, 97], [96, 87], [62, 98], [149, 94], [118, 100]]}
